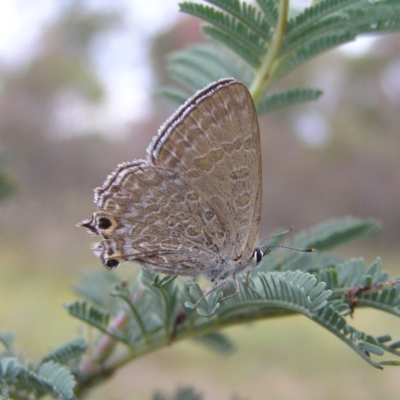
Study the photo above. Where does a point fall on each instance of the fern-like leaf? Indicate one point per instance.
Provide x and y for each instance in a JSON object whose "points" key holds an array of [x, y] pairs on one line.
{"points": [[251, 33], [164, 296], [382, 297], [196, 67], [9, 369], [312, 49], [71, 350], [296, 291], [291, 291], [322, 237], [375, 17], [199, 65], [247, 14], [253, 58], [368, 287], [363, 344], [91, 315], [187, 76], [322, 28], [47, 378], [269, 10], [96, 318], [58, 378], [353, 272], [311, 15], [208, 306], [228, 25], [357, 286], [95, 287], [336, 232], [287, 98], [7, 339]]}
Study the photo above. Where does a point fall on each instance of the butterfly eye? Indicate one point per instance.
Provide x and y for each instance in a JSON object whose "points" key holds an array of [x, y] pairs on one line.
{"points": [[258, 255]]}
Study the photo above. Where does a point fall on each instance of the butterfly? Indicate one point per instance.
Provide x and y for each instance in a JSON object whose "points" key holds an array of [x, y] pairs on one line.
{"points": [[194, 205]]}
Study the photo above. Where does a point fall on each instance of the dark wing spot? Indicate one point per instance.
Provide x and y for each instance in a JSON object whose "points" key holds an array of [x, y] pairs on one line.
{"points": [[112, 263], [104, 223]]}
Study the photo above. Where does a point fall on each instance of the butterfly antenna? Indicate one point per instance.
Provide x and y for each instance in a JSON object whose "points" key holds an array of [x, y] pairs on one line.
{"points": [[310, 250], [268, 250]]}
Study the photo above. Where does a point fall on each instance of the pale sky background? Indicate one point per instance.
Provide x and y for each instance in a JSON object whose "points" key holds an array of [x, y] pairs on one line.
{"points": [[126, 77]]}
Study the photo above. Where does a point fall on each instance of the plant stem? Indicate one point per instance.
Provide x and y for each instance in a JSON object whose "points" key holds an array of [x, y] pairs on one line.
{"points": [[92, 372], [262, 78]]}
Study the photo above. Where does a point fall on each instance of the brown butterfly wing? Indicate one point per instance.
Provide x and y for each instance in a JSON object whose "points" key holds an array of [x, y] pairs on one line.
{"points": [[214, 139], [154, 216]]}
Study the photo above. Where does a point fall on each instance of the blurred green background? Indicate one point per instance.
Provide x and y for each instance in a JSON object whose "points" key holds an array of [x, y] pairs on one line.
{"points": [[78, 96]]}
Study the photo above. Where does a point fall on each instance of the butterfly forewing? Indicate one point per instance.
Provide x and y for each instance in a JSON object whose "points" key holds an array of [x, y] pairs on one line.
{"points": [[214, 140]]}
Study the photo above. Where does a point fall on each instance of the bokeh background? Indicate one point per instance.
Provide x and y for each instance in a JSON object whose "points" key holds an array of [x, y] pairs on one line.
{"points": [[78, 83]]}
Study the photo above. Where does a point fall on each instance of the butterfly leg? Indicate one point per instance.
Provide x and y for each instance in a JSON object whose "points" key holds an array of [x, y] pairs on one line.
{"points": [[207, 292], [236, 292], [247, 277]]}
